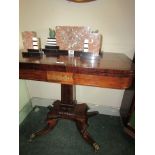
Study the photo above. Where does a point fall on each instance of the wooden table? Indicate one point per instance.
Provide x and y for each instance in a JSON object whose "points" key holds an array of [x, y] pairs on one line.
{"points": [[112, 70]]}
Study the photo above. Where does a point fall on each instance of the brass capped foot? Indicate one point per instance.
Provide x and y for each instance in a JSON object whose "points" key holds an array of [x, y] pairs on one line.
{"points": [[96, 147], [32, 137]]}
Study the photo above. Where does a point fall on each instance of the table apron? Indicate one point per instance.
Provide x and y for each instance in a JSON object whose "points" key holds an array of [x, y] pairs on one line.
{"points": [[104, 81]]}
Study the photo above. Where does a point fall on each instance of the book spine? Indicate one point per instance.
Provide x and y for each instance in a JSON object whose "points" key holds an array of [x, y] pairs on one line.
{"points": [[86, 45]]}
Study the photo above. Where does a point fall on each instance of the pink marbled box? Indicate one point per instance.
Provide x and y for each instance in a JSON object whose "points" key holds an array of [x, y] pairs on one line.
{"points": [[27, 39], [72, 37]]}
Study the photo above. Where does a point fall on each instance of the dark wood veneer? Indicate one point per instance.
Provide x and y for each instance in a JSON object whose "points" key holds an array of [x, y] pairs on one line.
{"points": [[32, 74], [109, 71]]}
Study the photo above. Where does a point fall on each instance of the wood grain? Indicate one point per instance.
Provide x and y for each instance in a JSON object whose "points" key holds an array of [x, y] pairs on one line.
{"points": [[103, 81], [60, 77], [111, 71], [30, 74]]}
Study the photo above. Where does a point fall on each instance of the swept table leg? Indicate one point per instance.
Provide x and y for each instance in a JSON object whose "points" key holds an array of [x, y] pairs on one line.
{"points": [[68, 108], [50, 125], [82, 127], [92, 113]]}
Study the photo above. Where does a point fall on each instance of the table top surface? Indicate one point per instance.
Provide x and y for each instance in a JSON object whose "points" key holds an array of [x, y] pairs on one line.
{"points": [[111, 70], [109, 61]]}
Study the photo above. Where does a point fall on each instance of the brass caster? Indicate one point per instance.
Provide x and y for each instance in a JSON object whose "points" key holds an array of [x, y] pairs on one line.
{"points": [[31, 137], [96, 147]]}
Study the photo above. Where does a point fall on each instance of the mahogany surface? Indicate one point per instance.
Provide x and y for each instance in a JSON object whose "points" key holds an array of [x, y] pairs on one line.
{"points": [[113, 70], [110, 71]]}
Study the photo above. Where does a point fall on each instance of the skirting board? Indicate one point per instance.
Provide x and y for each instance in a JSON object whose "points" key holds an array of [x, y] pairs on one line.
{"points": [[107, 110], [24, 112]]}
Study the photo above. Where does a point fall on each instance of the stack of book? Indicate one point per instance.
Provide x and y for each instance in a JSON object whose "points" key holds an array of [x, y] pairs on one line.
{"points": [[51, 43], [36, 43], [85, 47]]}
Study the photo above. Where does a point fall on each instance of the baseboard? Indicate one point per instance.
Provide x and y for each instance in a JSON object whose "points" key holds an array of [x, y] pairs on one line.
{"points": [[107, 110], [24, 112]]}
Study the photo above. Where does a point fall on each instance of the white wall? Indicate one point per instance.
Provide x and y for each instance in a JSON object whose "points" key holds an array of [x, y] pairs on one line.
{"points": [[24, 101], [23, 94], [113, 18]]}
